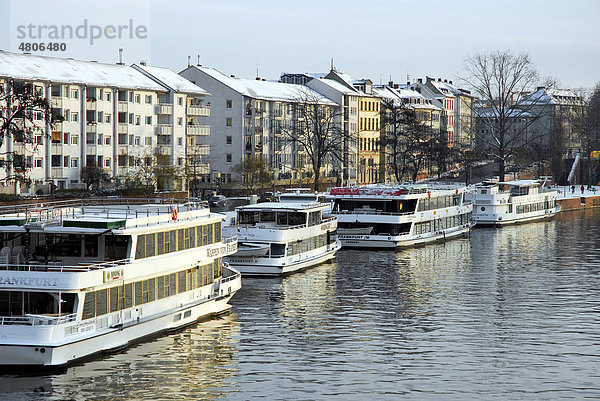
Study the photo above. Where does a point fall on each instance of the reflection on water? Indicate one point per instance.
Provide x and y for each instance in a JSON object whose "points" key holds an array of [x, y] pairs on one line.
{"points": [[510, 313]]}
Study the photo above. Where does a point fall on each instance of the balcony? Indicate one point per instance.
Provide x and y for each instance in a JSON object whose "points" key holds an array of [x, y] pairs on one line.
{"points": [[163, 150], [122, 129], [164, 108], [90, 104], [203, 130], [123, 107], [164, 129], [200, 111], [199, 150], [57, 172], [90, 149], [56, 149], [56, 103], [91, 128]]}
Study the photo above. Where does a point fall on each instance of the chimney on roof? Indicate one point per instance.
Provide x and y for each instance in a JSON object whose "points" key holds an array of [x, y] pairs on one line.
{"points": [[189, 61], [445, 81], [263, 79], [143, 63], [407, 82], [257, 78], [232, 76], [421, 80], [396, 86], [439, 79], [450, 82], [541, 88], [199, 65], [120, 57]]}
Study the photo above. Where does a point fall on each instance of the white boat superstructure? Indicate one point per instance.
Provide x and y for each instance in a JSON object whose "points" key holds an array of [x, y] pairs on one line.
{"points": [[77, 279], [278, 238], [390, 216], [513, 202]]}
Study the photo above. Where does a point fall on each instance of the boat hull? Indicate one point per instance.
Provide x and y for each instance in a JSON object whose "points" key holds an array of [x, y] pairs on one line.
{"points": [[483, 221], [260, 267], [45, 354], [393, 242]]}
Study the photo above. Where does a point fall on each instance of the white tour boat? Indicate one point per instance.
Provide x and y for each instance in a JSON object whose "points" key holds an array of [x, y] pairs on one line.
{"points": [[513, 202], [278, 238], [77, 279], [390, 216]]}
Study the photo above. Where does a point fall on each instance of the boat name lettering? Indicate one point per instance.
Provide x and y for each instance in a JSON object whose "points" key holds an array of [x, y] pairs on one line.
{"points": [[325, 226], [354, 236], [222, 250], [113, 275], [29, 282]]}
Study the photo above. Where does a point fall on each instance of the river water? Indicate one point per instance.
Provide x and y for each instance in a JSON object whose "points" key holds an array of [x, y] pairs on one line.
{"points": [[506, 314]]}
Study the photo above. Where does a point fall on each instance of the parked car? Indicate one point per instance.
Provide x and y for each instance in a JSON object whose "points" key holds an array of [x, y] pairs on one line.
{"points": [[217, 201]]}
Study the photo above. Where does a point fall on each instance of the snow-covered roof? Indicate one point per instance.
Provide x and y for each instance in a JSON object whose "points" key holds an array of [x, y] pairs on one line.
{"points": [[171, 79], [338, 86], [404, 96], [552, 96], [443, 88], [70, 71], [267, 90]]}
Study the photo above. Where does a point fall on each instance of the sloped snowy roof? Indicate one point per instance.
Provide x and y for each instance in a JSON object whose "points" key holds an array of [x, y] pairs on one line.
{"points": [[552, 96], [171, 79], [266, 90], [338, 86], [70, 71], [400, 96], [443, 88]]}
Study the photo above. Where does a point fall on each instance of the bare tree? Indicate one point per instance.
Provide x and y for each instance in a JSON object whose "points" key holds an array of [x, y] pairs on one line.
{"points": [[155, 173], [408, 142], [317, 133], [94, 177], [27, 115], [585, 121], [255, 174], [508, 108]]}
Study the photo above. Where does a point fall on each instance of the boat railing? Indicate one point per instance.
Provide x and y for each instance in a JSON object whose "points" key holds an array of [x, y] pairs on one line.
{"points": [[269, 227], [229, 240], [328, 219], [37, 320], [57, 267], [230, 278], [371, 212], [56, 211]]}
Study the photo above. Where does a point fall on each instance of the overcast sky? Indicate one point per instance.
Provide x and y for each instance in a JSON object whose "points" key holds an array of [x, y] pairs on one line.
{"points": [[368, 39]]}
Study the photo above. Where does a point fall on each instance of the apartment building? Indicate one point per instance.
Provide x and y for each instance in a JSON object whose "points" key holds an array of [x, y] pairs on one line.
{"points": [[255, 118], [108, 116]]}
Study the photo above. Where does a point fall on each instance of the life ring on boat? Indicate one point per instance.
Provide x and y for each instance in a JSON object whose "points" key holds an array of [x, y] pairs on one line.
{"points": [[174, 214]]}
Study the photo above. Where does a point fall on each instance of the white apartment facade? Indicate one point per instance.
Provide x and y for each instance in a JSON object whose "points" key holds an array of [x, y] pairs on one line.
{"points": [[110, 114], [254, 118]]}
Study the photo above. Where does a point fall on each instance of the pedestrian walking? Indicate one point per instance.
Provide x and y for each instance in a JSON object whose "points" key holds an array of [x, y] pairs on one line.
{"points": [[582, 188]]}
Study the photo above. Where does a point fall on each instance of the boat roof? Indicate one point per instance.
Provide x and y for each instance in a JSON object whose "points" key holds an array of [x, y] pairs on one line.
{"points": [[285, 206], [521, 183], [81, 216]]}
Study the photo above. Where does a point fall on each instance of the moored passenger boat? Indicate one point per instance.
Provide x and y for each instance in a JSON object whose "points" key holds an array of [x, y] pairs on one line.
{"points": [[510, 202], [278, 238], [386, 216], [77, 279]]}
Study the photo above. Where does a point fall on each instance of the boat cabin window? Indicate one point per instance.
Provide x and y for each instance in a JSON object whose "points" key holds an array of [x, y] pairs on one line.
{"points": [[386, 206], [154, 244], [314, 218], [19, 303], [115, 246], [277, 250], [248, 217], [291, 218], [519, 191], [438, 202]]}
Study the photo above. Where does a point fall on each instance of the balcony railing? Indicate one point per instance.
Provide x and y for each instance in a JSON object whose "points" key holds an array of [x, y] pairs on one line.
{"points": [[123, 107], [164, 129], [164, 108], [199, 150], [56, 103], [201, 111], [198, 130], [91, 128], [123, 129]]}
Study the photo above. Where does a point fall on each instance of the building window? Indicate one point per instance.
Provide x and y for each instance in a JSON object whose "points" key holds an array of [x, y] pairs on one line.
{"points": [[137, 98], [228, 104], [180, 121], [108, 96], [228, 140], [148, 141], [66, 138], [180, 141], [56, 160], [107, 118], [228, 156], [107, 140], [66, 161], [38, 162], [74, 93], [138, 120], [107, 162], [180, 101], [148, 120], [74, 117], [228, 122], [148, 99], [137, 141]]}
